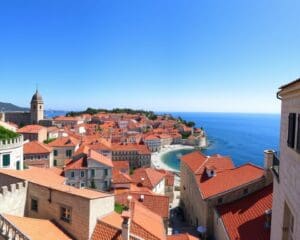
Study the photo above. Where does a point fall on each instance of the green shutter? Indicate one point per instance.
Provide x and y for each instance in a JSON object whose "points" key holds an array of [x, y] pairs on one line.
{"points": [[6, 160]]}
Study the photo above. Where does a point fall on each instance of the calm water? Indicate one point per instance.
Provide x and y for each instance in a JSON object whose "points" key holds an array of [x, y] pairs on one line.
{"points": [[244, 137]]}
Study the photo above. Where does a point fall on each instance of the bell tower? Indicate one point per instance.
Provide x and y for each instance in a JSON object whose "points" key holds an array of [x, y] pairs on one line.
{"points": [[37, 108]]}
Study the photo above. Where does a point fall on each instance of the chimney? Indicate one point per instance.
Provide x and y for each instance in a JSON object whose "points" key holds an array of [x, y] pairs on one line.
{"points": [[268, 218], [268, 163], [126, 225], [268, 158], [142, 198]]}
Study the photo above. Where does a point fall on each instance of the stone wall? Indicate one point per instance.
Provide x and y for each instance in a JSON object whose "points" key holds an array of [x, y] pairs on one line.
{"points": [[19, 118], [13, 196]]}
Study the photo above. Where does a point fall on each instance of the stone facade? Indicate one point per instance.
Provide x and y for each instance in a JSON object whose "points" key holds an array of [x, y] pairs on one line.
{"points": [[40, 136], [16, 198], [39, 160], [199, 211], [96, 173], [60, 154], [13, 197], [286, 195], [135, 159], [19, 118]]}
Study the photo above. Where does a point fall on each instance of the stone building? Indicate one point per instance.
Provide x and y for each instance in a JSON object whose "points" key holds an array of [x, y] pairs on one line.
{"points": [[34, 133], [247, 218], [286, 167], [34, 116], [63, 149], [210, 181], [40, 193], [89, 168], [149, 178], [38, 154]]}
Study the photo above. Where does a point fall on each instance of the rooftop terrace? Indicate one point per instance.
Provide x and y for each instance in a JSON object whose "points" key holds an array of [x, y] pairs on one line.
{"points": [[7, 134]]}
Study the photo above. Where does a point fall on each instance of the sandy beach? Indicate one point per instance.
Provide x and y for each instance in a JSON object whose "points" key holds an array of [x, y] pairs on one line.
{"points": [[156, 158]]}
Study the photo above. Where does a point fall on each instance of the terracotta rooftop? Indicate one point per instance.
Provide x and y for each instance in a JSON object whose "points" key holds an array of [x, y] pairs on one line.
{"points": [[169, 177], [31, 129], [121, 165], [64, 142], [158, 204], [37, 229], [100, 158], [63, 118], [80, 163], [119, 177], [147, 177], [226, 176], [81, 157], [194, 160], [48, 178], [245, 218], [109, 227], [228, 180], [35, 147]]}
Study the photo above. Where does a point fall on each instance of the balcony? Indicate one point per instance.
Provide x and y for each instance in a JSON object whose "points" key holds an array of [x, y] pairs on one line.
{"points": [[275, 165], [9, 231]]}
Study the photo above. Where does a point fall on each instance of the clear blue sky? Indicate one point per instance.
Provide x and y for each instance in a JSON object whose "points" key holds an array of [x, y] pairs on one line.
{"points": [[169, 55]]}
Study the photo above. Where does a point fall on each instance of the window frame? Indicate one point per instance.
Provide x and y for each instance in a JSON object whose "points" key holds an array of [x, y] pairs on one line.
{"points": [[34, 208], [291, 130], [66, 214]]}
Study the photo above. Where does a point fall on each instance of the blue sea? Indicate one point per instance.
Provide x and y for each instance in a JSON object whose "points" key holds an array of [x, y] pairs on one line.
{"points": [[241, 136]]}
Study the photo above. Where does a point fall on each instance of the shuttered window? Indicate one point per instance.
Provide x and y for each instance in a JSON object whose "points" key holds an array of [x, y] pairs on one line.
{"points": [[298, 134], [291, 130]]}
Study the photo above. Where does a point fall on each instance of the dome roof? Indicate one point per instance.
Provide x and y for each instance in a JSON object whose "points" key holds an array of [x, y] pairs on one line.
{"points": [[36, 97]]}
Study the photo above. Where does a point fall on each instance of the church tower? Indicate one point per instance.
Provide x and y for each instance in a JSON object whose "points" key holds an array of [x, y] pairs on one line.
{"points": [[37, 108]]}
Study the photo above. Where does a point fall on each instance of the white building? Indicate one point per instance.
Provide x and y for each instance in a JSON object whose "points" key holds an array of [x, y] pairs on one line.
{"points": [[286, 190], [11, 153], [153, 142]]}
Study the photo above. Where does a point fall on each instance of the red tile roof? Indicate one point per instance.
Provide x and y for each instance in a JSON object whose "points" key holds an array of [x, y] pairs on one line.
{"points": [[64, 142], [245, 218], [169, 177], [228, 180], [194, 160], [80, 163], [35, 147], [37, 229], [100, 158], [158, 204], [147, 177], [120, 178], [121, 166], [31, 129], [109, 227], [48, 178]]}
